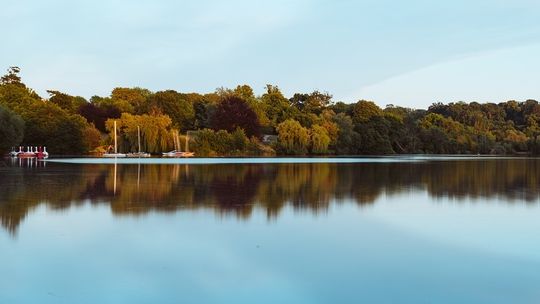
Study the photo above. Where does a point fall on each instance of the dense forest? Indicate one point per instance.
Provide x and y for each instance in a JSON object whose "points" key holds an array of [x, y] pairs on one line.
{"points": [[237, 122]]}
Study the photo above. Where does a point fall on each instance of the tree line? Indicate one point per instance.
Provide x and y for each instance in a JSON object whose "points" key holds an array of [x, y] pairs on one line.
{"points": [[237, 122]]}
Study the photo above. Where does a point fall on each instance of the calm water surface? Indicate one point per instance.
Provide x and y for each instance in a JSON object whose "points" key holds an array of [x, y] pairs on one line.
{"points": [[383, 230]]}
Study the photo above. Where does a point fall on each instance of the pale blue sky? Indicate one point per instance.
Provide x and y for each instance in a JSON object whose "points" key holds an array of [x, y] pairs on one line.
{"points": [[410, 53]]}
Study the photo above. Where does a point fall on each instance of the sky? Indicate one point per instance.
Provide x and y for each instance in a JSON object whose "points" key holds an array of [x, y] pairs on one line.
{"points": [[408, 53]]}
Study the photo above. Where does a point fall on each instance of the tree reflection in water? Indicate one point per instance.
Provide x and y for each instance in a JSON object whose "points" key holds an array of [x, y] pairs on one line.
{"points": [[239, 189]]}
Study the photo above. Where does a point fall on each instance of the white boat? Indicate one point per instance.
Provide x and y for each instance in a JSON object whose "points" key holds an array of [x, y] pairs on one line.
{"points": [[42, 153], [138, 154], [115, 154], [45, 153], [176, 152], [30, 152]]}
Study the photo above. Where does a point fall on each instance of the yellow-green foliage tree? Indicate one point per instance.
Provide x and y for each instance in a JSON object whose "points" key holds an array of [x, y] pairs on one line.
{"points": [[276, 106], [364, 110], [292, 137], [176, 105], [132, 99], [155, 131], [319, 139]]}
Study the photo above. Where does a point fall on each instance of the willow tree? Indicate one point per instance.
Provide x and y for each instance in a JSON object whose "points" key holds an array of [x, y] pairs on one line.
{"points": [[292, 137], [319, 139], [155, 130]]}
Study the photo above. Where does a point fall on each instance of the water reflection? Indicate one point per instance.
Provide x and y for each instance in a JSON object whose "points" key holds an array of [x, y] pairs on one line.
{"points": [[239, 189]]}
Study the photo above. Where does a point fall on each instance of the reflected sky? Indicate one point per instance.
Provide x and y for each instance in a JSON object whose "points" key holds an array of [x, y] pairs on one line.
{"points": [[455, 231], [239, 189]]}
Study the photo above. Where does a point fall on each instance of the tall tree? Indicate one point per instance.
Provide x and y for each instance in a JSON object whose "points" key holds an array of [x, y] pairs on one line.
{"points": [[131, 98], [232, 113], [276, 105], [12, 77], [175, 105], [314, 103], [364, 110]]}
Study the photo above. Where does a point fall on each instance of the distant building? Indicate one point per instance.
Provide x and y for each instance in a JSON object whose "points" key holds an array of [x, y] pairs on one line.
{"points": [[269, 139]]}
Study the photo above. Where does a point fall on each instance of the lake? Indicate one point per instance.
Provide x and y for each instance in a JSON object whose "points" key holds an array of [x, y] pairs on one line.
{"points": [[293, 230]]}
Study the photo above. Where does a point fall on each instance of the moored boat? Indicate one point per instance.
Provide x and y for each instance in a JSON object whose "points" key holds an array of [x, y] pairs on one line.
{"points": [[31, 152], [177, 152], [14, 153], [41, 153], [138, 154], [115, 154], [28, 153]]}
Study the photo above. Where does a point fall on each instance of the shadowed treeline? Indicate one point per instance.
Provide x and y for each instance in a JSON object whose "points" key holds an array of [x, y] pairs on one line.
{"points": [[239, 189]]}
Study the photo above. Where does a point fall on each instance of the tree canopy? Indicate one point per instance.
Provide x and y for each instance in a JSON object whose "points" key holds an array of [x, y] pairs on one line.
{"points": [[239, 122]]}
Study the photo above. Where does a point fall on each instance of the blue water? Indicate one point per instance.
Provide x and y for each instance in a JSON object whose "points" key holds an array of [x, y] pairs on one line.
{"points": [[423, 232]]}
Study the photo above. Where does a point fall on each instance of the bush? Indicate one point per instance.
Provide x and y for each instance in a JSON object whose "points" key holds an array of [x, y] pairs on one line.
{"points": [[207, 142]]}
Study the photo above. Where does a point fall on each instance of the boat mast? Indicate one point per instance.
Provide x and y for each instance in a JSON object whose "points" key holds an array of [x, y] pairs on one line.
{"points": [[174, 139], [115, 141], [139, 137]]}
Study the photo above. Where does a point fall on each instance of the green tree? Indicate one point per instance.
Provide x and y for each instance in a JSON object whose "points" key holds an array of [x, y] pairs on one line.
{"points": [[11, 129], [66, 102], [364, 110], [348, 140], [175, 105], [276, 105], [314, 103], [49, 125], [374, 136], [12, 77], [130, 99]]}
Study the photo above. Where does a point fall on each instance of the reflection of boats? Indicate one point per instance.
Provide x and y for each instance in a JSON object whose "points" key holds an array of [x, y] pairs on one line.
{"points": [[115, 154], [177, 151], [138, 153], [29, 162]]}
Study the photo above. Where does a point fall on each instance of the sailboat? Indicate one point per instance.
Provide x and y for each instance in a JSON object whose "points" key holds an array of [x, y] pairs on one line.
{"points": [[177, 152], [115, 154], [138, 153]]}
